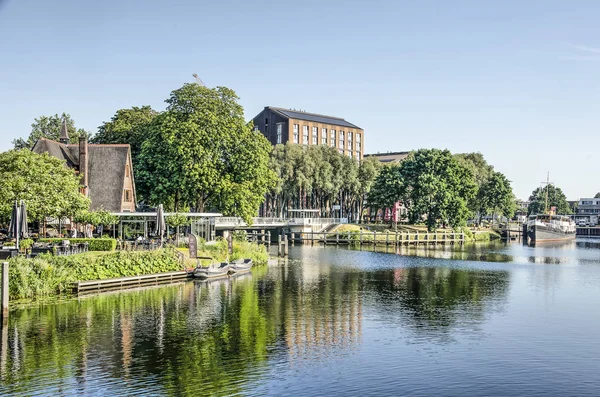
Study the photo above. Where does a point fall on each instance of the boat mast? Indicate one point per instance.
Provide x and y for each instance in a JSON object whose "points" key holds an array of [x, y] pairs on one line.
{"points": [[547, 183]]}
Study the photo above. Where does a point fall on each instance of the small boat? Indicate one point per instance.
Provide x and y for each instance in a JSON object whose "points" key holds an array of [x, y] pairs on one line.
{"points": [[240, 266], [214, 270]]}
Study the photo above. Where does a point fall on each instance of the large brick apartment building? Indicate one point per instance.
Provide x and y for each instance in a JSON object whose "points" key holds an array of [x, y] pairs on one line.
{"points": [[280, 125]]}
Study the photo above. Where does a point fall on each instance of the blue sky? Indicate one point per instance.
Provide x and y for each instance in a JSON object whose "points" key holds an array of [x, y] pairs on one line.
{"points": [[518, 81]]}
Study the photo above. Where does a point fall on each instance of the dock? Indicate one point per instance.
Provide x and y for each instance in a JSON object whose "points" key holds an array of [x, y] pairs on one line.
{"points": [[82, 287]]}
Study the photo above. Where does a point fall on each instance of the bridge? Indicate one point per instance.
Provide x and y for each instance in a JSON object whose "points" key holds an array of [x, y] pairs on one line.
{"points": [[314, 224]]}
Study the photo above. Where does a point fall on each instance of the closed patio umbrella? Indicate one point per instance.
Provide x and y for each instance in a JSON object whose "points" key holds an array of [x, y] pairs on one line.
{"points": [[13, 230], [23, 229], [160, 221]]}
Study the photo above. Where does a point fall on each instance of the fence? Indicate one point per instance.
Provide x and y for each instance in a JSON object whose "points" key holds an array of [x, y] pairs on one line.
{"points": [[375, 238]]}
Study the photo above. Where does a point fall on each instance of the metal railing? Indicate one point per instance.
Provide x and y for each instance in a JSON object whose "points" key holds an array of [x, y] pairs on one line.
{"points": [[262, 221]]}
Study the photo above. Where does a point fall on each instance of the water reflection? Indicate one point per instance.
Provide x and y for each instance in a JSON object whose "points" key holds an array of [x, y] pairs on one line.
{"points": [[217, 338]]}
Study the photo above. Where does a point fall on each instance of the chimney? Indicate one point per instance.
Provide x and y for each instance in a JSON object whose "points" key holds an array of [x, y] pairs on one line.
{"points": [[64, 134], [83, 163]]}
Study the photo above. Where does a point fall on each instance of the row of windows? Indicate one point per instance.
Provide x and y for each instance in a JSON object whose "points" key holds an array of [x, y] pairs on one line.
{"points": [[315, 138]]}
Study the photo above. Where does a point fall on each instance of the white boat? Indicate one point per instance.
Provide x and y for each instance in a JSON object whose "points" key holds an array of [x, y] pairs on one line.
{"points": [[240, 266], [214, 270]]}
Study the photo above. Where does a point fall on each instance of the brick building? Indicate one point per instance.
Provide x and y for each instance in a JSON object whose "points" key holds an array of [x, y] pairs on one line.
{"points": [[280, 125]]}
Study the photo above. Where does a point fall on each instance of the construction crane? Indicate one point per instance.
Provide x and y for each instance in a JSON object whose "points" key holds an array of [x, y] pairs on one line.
{"points": [[200, 82]]}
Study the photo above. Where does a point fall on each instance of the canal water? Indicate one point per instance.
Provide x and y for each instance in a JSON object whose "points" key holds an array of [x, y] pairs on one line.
{"points": [[479, 320]]}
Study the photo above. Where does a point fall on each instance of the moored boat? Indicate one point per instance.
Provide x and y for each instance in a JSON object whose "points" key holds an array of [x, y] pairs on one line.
{"points": [[550, 228], [214, 270], [240, 266]]}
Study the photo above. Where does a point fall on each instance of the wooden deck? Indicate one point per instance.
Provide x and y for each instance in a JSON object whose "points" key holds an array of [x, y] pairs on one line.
{"points": [[81, 287]]}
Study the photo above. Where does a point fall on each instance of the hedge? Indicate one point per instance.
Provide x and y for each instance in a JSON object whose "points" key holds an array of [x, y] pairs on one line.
{"points": [[95, 244], [48, 275]]}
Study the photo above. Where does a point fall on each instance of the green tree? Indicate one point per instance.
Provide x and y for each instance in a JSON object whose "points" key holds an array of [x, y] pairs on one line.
{"points": [[49, 127], [47, 186], [368, 171], [556, 198], [128, 126], [200, 152], [387, 188], [597, 195], [436, 186], [482, 171], [496, 196]]}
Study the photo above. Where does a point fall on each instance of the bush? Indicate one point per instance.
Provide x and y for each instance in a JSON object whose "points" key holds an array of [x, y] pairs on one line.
{"points": [[47, 275], [95, 244]]}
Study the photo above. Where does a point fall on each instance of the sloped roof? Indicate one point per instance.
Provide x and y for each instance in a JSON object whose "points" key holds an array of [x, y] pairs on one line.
{"points": [[317, 118], [106, 174], [389, 157], [106, 170], [55, 149]]}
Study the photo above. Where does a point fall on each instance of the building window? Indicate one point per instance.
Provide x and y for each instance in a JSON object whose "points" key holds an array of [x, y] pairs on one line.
{"points": [[349, 153], [358, 146], [324, 136], [255, 128], [127, 171], [128, 196], [357, 137], [279, 131], [341, 139], [305, 134], [296, 130], [341, 151], [315, 136], [349, 136], [332, 136], [358, 156], [349, 145]]}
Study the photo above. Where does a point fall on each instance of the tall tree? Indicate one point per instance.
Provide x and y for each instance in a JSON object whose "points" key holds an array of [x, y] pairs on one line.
{"points": [[496, 196], [556, 198], [201, 153], [597, 195], [49, 127], [482, 171], [368, 171], [387, 188], [47, 186], [436, 186], [128, 126]]}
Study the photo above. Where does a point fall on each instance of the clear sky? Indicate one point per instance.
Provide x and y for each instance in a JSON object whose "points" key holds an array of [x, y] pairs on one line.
{"points": [[518, 81]]}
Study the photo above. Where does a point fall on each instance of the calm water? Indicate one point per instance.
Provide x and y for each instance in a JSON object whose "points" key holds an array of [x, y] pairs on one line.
{"points": [[478, 321]]}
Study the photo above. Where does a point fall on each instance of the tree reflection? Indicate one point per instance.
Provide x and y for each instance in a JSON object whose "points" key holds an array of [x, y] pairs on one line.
{"points": [[433, 300], [213, 338]]}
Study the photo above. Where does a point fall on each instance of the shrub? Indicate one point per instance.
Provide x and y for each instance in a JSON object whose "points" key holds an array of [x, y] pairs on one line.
{"points": [[95, 244], [47, 275]]}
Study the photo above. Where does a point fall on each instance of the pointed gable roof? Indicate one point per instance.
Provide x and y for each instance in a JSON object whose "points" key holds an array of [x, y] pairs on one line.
{"points": [[64, 133]]}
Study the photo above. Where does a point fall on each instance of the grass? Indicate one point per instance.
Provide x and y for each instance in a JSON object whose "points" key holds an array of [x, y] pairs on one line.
{"points": [[219, 252]]}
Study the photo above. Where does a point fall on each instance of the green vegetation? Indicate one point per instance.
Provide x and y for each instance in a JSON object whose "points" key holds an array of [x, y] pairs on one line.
{"points": [[432, 184], [200, 153], [94, 244], [49, 127], [556, 198], [219, 252], [495, 196], [319, 177], [127, 126], [47, 186], [47, 275]]}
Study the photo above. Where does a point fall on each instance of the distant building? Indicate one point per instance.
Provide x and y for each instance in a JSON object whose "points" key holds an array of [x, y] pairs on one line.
{"points": [[280, 125], [588, 209], [389, 157], [106, 170]]}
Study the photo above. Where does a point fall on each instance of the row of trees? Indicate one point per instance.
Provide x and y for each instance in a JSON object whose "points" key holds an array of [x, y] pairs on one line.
{"points": [[439, 188], [318, 177]]}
